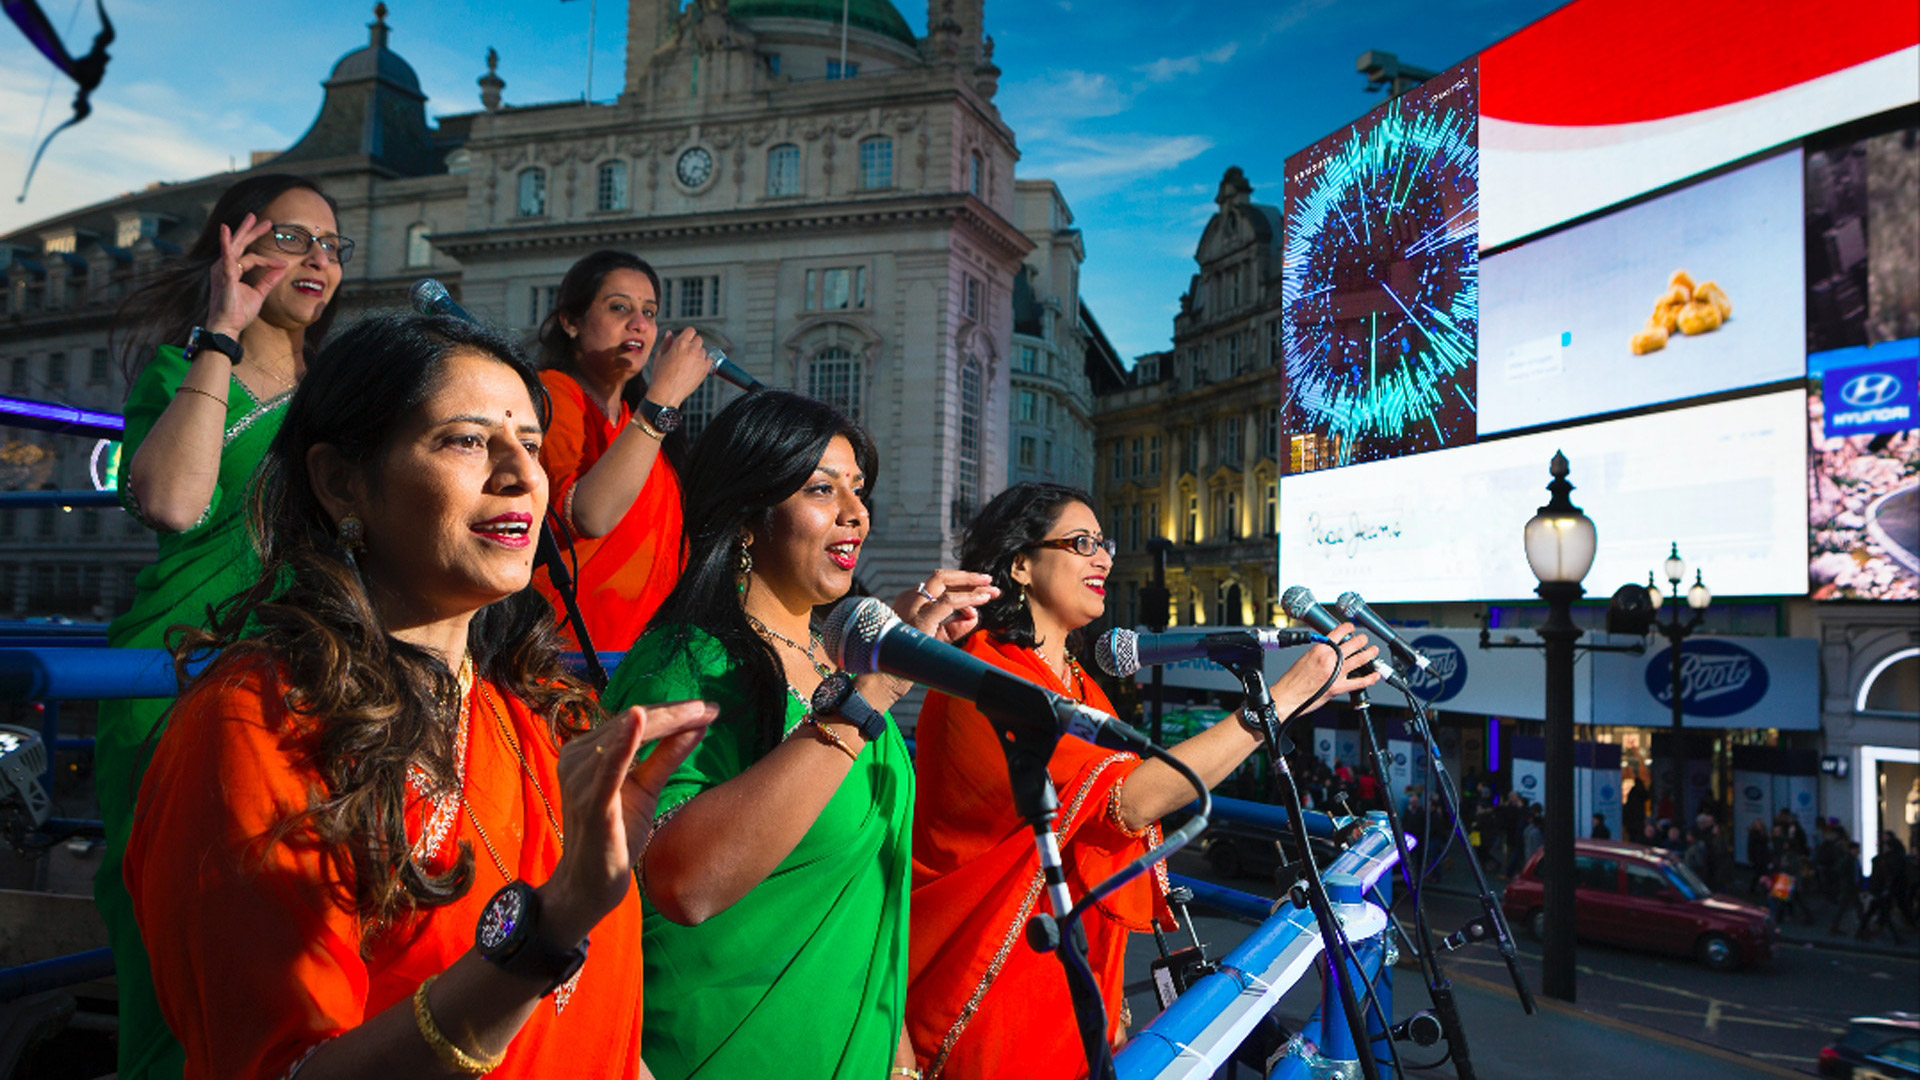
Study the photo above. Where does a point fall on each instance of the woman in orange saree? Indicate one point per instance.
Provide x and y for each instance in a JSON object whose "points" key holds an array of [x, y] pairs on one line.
{"points": [[980, 1002]]}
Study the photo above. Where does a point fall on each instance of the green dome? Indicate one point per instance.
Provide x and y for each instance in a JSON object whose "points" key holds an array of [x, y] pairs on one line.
{"points": [[877, 15]]}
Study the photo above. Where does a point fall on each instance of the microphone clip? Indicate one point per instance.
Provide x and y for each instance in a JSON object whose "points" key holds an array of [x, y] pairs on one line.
{"points": [[1480, 928]]}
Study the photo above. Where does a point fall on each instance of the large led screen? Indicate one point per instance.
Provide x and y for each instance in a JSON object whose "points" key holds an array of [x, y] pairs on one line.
{"points": [[1568, 321], [1724, 480], [1863, 473], [1379, 279], [1608, 99]]}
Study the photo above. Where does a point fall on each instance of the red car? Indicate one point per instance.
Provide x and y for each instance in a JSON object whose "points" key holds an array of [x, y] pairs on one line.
{"points": [[1642, 897]]}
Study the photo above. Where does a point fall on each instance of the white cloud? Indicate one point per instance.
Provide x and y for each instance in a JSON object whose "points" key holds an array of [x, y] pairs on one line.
{"points": [[1095, 164], [1064, 95], [1166, 69]]}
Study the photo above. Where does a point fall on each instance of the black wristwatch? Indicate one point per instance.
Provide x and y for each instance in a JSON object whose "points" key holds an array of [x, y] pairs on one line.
{"points": [[202, 339], [509, 935], [835, 696], [664, 418]]}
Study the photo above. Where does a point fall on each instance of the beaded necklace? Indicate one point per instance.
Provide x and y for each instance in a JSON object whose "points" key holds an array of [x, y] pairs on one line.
{"points": [[820, 667], [445, 803]]}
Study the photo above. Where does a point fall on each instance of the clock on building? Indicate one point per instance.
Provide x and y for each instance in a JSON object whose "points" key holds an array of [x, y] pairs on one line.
{"points": [[694, 168]]}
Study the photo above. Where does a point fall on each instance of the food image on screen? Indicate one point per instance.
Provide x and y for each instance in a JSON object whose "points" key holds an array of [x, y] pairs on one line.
{"points": [[1685, 308], [1380, 279]]}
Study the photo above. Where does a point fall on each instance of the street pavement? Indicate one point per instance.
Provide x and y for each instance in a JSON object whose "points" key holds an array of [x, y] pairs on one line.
{"points": [[1655, 1015]]}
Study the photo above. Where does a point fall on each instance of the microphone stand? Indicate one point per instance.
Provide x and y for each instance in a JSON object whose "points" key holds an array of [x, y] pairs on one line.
{"points": [[1258, 708], [547, 554], [1439, 989]]}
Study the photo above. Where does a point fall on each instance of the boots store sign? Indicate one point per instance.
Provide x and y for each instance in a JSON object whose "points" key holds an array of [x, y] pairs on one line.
{"points": [[1724, 682]]}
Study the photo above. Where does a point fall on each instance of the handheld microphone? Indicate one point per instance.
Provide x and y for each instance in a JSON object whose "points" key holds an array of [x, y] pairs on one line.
{"points": [[1123, 652], [1356, 611], [429, 297], [731, 371], [1298, 602], [865, 636]]}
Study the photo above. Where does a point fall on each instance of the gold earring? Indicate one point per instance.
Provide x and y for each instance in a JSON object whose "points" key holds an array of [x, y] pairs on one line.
{"points": [[742, 567], [353, 534]]}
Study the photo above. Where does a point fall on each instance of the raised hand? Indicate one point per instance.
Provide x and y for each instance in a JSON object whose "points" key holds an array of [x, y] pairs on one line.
{"points": [[233, 301], [1304, 679], [680, 363], [946, 605]]}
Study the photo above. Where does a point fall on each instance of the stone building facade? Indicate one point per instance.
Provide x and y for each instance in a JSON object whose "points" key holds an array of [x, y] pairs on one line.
{"points": [[837, 210]]}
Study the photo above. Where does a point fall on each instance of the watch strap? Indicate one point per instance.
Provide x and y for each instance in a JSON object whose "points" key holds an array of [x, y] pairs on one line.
{"points": [[847, 703], [528, 952], [202, 339], [662, 418]]}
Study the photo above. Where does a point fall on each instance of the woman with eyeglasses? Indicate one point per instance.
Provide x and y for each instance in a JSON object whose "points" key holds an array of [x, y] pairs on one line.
{"points": [[776, 880], [980, 1003], [616, 469], [213, 346]]}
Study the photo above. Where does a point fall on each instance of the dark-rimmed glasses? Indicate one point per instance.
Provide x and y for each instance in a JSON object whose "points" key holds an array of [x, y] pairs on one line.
{"points": [[1082, 545], [295, 240]]}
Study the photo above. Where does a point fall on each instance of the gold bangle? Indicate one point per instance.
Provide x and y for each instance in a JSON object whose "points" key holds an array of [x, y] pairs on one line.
{"points": [[647, 429], [442, 1047], [907, 1071], [832, 736], [210, 397]]}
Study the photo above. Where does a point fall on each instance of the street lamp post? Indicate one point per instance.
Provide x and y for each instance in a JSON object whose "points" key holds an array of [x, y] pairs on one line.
{"points": [[1675, 631], [1560, 547]]}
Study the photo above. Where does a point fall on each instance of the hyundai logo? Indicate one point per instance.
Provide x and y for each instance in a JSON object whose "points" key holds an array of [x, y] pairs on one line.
{"points": [[1446, 676], [1873, 388]]}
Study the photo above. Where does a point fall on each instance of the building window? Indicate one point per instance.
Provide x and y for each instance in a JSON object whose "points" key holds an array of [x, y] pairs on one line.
{"points": [[783, 170], [533, 192], [1273, 509], [20, 379], [1273, 342], [966, 488], [1028, 359], [610, 193], [8, 524], [419, 244], [1133, 527], [1270, 434], [973, 173], [699, 297], [99, 367], [773, 63], [1153, 455], [1029, 407], [57, 371], [1192, 533], [836, 288], [876, 163], [1233, 355], [834, 377], [698, 408], [1230, 441], [540, 303], [1026, 451], [1135, 458], [1230, 519], [1118, 472], [1190, 457], [1153, 521], [970, 296], [837, 70], [43, 522]]}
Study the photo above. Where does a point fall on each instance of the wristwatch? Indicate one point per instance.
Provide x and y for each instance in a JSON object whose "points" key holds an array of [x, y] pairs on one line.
{"points": [[509, 935], [836, 696], [202, 339], [664, 418]]}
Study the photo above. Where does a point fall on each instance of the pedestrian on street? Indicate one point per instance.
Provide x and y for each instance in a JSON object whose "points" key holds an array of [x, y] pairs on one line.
{"points": [[1853, 896], [1759, 853], [1633, 811], [1534, 838], [1885, 883], [1600, 830]]}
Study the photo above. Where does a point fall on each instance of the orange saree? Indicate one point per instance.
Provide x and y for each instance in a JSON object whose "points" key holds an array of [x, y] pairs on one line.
{"points": [[624, 576], [257, 953], [980, 1002]]}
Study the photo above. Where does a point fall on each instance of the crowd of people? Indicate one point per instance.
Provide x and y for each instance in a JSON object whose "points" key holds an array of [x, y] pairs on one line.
{"points": [[386, 831]]}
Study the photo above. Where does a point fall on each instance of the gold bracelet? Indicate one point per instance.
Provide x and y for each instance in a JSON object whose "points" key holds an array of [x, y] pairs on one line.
{"points": [[204, 394], [832, 736], [647, 429], [907, 1071], [442, 1047]]}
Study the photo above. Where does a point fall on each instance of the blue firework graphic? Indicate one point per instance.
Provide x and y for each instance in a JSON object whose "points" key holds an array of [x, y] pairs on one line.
{"points": [[1381, 277]]}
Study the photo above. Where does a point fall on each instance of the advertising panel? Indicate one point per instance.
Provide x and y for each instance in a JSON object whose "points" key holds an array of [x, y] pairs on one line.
{"points": [[1596, 103], [1727, 480], [1378, 281], [1695, 292]]}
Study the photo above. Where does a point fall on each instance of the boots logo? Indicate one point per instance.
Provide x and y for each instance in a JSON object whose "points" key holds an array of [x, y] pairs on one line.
{"points": [[1446, 676], [1717, 678]]}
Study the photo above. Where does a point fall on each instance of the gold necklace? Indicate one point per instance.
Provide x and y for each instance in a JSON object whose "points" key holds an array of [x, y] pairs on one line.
{"points": [[446, 804], [1074, 680], [820, 668]]}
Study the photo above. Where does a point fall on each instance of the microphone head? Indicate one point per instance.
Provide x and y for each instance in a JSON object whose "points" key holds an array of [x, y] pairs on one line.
{"points": [[1349, 605], [1117, 652], [853, 631], [426, 296], [1297, 601]]}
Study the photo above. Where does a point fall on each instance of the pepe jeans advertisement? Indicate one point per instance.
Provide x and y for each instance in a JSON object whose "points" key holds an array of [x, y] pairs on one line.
{"points": [[1724, 682]]}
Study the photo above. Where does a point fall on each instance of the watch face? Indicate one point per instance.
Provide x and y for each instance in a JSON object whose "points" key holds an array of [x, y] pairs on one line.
{"points": [[500, 919], [831, 692], [694, 167], [666, 418]]}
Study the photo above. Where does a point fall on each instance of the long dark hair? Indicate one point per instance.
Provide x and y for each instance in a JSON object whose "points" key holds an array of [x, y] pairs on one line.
{"points": [[1012, 522], [378, 705], [756, 453], [173, 300]]}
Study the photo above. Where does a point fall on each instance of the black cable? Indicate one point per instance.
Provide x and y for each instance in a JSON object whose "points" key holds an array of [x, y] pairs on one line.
{"points": [[1176, 840]]}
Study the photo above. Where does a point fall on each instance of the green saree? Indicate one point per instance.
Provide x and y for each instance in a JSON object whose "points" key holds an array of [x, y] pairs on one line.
{"points": [[807, 974], [200, 566]]}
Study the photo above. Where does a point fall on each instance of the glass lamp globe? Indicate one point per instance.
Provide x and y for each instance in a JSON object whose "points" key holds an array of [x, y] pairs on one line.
{"points": [[1560, 539], [1653, 592], [1675, 566], [1698, 597]]}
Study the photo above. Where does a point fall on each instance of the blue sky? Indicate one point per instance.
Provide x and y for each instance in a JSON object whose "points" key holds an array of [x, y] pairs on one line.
{"points": [[1134, 108]]}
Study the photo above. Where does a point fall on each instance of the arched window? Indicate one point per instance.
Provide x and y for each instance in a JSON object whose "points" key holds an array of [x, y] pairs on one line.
{"points": [[833, 376], [973, 173], [419, 244], [876, 163], [611, 191], [966, 486], [533, 192], [783, 170]]}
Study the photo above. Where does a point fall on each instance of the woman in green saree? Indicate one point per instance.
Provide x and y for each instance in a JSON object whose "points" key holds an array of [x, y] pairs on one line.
{"points": [[776, 881], [218, 341]]}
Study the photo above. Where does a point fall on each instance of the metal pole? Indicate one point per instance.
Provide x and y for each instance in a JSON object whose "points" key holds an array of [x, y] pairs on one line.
{"points": [[1158, 624], [1559, 633], [593, 7], [1675, 635]]}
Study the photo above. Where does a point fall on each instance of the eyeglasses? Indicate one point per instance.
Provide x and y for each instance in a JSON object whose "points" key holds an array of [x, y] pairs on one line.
{"points": [[295, 240], [1082, 545]]}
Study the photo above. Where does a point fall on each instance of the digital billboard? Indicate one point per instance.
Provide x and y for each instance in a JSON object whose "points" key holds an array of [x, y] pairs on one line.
{"points": [[1379, 278], [1613, 314], [1601, 102], [1725, 479]]}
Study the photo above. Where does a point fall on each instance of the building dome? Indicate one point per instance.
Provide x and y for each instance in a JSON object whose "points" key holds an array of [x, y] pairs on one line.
{"points": [[377, 62], [878, 16]]}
